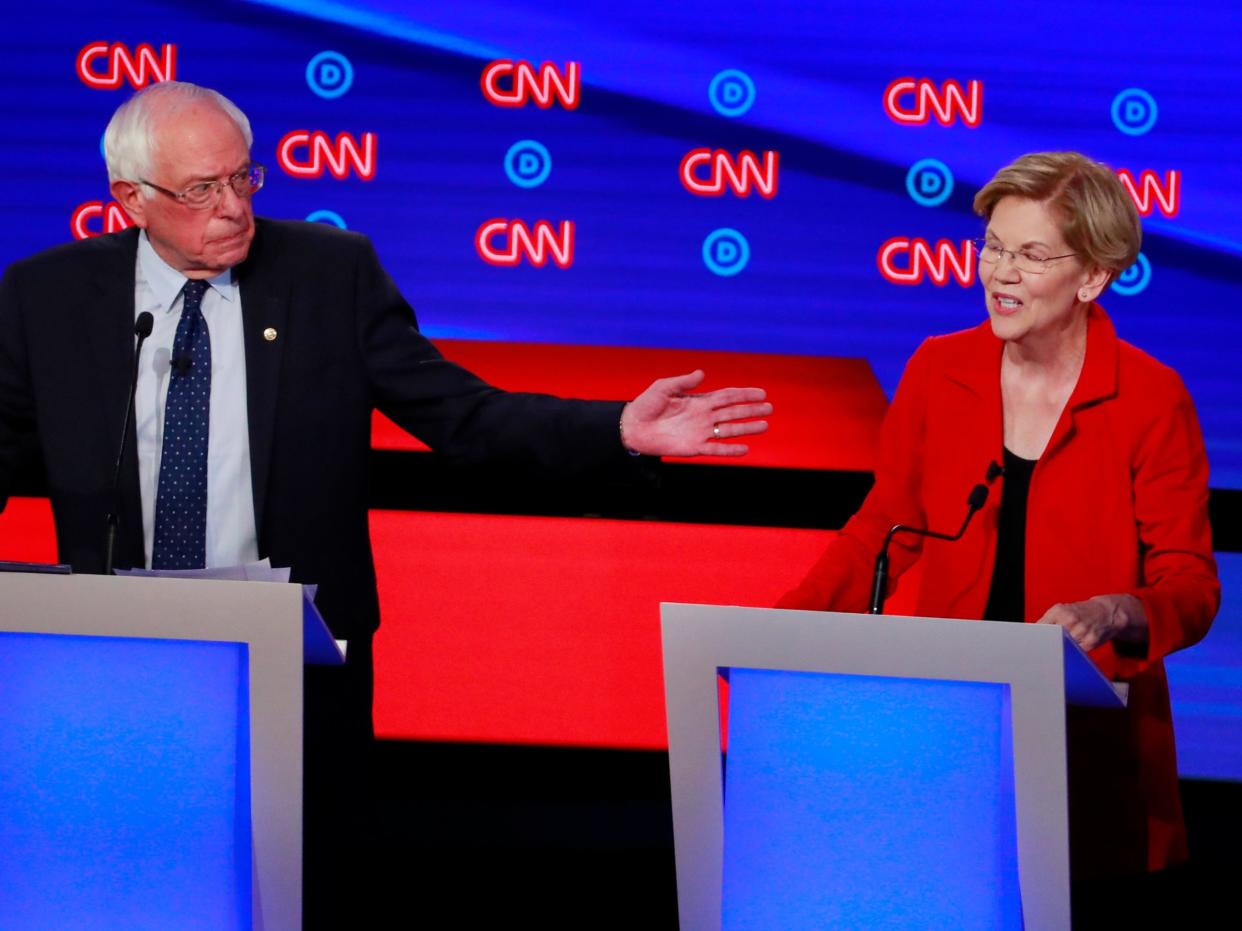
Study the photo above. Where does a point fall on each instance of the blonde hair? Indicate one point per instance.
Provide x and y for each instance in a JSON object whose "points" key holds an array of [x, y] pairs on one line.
{"points": [[1096, 215]]}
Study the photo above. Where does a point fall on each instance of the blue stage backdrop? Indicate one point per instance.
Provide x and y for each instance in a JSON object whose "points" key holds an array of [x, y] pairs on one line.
{"points": [[776, 176], [772, 176]]}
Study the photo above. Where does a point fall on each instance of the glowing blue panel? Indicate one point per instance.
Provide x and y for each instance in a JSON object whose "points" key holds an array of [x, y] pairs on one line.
{"points": [[124, 784], [868, 802], [1205, 684]]}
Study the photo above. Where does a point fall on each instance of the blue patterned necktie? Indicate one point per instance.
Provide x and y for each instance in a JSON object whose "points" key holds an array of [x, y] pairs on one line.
{"points": [[181, 503]]}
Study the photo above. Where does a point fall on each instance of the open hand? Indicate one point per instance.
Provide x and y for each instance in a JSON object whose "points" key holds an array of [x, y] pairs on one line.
{"points": [[665, 420]]}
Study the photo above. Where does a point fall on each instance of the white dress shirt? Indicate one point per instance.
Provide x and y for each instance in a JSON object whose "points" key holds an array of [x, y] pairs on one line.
{"points": [[231, 535]]}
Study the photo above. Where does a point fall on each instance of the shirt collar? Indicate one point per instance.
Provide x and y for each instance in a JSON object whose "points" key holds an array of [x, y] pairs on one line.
{"points": [[165, 282]]}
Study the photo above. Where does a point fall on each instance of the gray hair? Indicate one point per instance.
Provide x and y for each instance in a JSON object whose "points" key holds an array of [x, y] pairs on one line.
{"points": [[128, 140]]}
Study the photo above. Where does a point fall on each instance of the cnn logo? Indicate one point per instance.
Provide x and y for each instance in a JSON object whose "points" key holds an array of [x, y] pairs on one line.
{"points": [[508, 83], [94, 218], [1149, 193], [506, 242], [307, 154], [104, 65], [902, 260], [914, 101], [709, 173]]}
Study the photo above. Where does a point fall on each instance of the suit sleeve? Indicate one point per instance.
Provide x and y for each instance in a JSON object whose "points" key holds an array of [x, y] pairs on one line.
{"points": [[1179, 588], [458, 414], [841, 579]]}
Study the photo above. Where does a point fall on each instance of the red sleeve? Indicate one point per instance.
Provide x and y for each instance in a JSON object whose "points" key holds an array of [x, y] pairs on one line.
{"points": [[841, 579], [1179, 590]]}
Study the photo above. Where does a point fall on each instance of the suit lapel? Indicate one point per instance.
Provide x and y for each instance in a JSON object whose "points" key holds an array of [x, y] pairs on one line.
{"points": [[976, 368], [1096, 381], [110, 328], [265, 309], [971, 432], [109, 323]]}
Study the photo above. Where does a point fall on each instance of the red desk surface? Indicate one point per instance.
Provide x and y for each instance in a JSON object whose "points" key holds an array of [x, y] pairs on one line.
{"points": [[827, 410]]}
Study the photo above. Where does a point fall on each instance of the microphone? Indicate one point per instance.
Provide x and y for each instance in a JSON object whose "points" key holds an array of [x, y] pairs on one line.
{"points": [[181, 365], [142, 329], [974, 501]]}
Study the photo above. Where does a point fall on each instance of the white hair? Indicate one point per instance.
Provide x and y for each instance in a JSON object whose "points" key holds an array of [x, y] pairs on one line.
{"points": [[128, 141]]}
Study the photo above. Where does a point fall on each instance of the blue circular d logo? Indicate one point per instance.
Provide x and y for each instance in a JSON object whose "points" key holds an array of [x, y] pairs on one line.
{"points": [[528, 163], [329, 74], [929, 182], [725, 252]]}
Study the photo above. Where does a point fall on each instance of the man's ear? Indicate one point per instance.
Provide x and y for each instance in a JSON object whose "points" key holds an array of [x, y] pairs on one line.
{"points": [[130, 196]]}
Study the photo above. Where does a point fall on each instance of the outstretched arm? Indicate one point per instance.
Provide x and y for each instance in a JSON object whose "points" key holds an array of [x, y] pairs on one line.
{"points": [[665, 420]]}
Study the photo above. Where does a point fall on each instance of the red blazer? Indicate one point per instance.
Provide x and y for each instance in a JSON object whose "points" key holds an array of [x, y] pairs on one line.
{"points": [[1118, 503]]}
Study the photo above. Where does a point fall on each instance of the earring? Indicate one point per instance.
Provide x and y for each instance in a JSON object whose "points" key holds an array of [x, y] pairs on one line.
{"points": [[1084, 294]]}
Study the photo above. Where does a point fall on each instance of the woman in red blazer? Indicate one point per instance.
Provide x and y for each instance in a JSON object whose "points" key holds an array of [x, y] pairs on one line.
{"points": [[1101, 523]]}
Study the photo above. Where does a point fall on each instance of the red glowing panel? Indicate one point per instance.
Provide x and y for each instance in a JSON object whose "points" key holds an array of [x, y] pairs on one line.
{"points": [[827, 410], [546, 630], [26, 531]]}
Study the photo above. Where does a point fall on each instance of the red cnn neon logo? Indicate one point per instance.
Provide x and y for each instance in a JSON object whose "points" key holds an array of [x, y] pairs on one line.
{"points": [[536, 245], [141, 67], [528, 84], [742, 175], [112, 217], [912, 102], [338, 155], [1148, 193], [939, 262]]}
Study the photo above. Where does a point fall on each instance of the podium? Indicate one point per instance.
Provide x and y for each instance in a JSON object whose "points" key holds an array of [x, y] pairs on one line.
{"points": [[151, 751], [879, 772]]}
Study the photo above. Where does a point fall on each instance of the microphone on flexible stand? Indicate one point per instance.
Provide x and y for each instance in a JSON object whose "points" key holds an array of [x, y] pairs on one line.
{"points": [[975, 500], [142, 329]]}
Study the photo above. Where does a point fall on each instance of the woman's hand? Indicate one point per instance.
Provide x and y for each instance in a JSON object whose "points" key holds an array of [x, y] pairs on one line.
{"points": [[1098, 620]]}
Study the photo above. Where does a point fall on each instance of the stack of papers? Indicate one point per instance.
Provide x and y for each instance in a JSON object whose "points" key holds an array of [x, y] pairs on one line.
{"points": [[261, 571], [319, 646]]}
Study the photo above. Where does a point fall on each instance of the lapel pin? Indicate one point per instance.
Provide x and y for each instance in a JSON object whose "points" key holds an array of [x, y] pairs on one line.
{"points": [[270, 334]]}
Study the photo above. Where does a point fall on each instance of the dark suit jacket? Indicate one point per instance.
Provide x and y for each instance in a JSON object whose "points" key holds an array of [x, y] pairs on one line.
{"points": [[346, 342]]}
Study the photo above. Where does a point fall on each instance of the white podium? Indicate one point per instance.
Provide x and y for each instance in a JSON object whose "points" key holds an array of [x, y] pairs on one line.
{"points": [[881, 771], [151, 751]]}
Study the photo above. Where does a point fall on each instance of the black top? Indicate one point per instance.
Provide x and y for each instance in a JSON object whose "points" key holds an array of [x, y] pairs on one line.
{"points": [[1007, 597]]}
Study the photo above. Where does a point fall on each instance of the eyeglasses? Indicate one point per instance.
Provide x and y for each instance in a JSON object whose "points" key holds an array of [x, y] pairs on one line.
{"points": [[207, 194], [1028, 262]]}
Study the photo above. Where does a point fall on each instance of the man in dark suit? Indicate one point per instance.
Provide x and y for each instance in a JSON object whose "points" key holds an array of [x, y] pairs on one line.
{"points": [[273, 430]]}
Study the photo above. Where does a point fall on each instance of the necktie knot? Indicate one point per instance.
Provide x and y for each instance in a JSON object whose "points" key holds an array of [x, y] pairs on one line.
{"points": [[193, 291]]}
